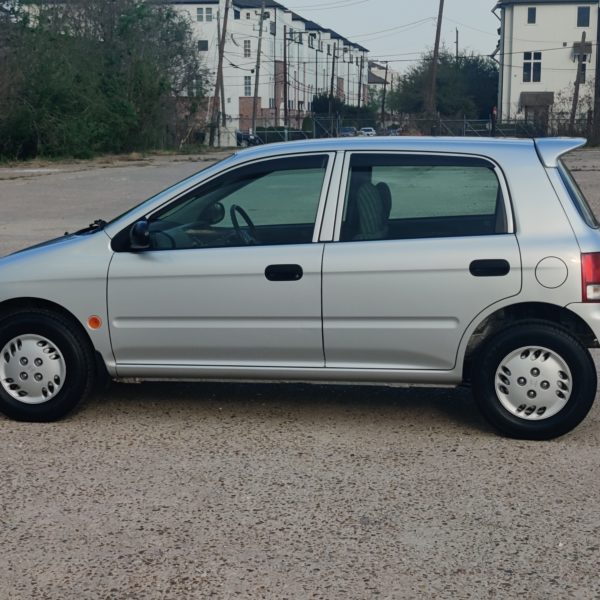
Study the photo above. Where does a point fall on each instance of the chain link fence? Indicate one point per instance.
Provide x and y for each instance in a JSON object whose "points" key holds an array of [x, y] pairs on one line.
{"points": [[316, 126]]}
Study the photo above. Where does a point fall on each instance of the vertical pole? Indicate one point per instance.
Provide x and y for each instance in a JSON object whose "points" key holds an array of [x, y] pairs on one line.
{"points": [[360, 76], [456, 44], [577, 84], [596, 122], [214, 121], [383, 95], [285, 79], [316, 66], [348, 86], [275, 77], [332, 77], [257, 70], [222, 88], [430, 98]]}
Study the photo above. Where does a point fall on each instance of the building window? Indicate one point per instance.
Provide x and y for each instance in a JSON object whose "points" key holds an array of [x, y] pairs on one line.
{"points": [[236, 14], [532, 67], [202, 45], [271, 102], [328, 49], [583, 16], [273, 27], [199, 14], [531, 15], [247, 16], [311, 41], [208, 15], [247, 49], [247, 85]]}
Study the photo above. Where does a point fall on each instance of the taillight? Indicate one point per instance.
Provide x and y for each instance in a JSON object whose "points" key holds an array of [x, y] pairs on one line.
{"points": [[590, 277]]}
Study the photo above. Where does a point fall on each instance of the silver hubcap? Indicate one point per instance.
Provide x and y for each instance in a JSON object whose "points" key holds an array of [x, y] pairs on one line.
{"points": [[32, 369], [533, 383]]}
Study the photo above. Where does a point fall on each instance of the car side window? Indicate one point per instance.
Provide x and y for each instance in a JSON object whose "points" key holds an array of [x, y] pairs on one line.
{"points": [[268, 202], [402, 197]]}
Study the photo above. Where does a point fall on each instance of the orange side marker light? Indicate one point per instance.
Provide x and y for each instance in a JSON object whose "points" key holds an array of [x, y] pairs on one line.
{"points": [[94, 322]]}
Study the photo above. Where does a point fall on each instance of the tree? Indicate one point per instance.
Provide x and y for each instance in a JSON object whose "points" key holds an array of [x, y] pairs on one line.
{"points": [[99, 76], [467, 86]]}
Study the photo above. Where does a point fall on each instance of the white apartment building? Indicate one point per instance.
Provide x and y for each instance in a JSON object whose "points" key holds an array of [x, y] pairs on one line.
{"points": [[310, 54], [538, 53]]}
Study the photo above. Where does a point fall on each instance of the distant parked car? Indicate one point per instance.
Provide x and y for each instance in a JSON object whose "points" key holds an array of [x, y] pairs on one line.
{"points": [[348, 132], [246, 139], [404, 261], [367, 131]]}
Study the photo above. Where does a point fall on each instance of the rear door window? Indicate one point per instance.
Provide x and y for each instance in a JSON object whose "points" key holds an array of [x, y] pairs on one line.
{"points": [[403, 196]]}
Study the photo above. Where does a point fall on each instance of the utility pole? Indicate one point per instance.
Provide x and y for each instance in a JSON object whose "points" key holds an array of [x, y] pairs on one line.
{"points": [[456, 44], [383, 95], [285, 78], [316, 69], [577, 84], [214, 121], [430, 98], [332, 78], [257, 70], [222, 88], [360, 76], [596, 123], [316, 41]]}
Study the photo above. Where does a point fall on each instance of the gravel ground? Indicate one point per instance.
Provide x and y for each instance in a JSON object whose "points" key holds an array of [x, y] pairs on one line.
{"points": [[185, 491]]}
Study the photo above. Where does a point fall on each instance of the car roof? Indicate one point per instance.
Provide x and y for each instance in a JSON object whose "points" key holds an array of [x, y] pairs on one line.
{"points": [[549, 149]]}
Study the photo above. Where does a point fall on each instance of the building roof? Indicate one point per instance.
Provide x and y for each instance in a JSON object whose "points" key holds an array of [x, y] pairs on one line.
{"points": [[257, 4], [375, 79]]}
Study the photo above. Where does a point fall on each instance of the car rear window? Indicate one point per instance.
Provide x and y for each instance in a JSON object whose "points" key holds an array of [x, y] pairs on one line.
{"points": [[577, 196]]}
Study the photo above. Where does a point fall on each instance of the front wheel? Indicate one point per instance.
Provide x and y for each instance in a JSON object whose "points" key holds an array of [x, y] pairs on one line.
{"points": [[534, 380], [46, 365]]}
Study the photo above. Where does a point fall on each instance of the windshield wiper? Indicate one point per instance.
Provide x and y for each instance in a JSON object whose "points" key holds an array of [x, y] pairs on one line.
{"points": [[97, 225]]}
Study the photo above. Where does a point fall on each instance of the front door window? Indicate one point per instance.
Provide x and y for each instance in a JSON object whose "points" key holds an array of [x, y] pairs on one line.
{"points": [[265, 203]]}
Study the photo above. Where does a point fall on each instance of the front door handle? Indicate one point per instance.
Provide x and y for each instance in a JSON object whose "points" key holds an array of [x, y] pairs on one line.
{"points": [[284, 272], [496, 267]]}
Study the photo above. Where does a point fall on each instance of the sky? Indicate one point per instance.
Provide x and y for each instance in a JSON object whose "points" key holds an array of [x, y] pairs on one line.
{"points": [[401, 30]]}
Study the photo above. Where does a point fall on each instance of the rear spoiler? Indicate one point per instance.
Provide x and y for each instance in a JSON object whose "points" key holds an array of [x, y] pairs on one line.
{"points": [[551, 149]]}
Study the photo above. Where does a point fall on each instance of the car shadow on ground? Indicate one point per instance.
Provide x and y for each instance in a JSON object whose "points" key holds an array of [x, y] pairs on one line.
{"points": [[421, 406]]}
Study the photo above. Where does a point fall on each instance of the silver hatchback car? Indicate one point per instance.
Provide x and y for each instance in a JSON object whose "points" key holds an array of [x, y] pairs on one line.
{"points": [[384, 261]]}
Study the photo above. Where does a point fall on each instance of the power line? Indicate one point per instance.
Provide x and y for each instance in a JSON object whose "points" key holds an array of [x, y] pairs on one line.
{"points": [[331, 7]]}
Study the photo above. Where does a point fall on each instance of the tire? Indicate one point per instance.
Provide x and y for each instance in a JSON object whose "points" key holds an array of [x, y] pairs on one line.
{"points": [[47, 365], [534, 380]]}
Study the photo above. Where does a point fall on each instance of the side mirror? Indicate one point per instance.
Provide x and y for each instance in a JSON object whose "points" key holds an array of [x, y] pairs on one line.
{"points": [[139, 235]]}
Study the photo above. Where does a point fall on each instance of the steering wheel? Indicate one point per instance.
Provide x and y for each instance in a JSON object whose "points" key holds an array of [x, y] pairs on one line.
{"points": [[247, 237]]}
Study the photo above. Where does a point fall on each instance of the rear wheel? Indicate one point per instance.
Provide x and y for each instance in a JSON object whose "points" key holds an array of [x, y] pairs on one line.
{"points": [[534, 380], [46, 365]]}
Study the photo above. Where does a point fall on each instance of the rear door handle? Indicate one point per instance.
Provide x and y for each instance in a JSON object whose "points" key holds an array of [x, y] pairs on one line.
{"points": [[284, 272], [496, 267]]}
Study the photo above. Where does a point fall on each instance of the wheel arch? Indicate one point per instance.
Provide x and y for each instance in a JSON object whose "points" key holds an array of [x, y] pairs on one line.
{"points": [[509, 315], [33, 303]]}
